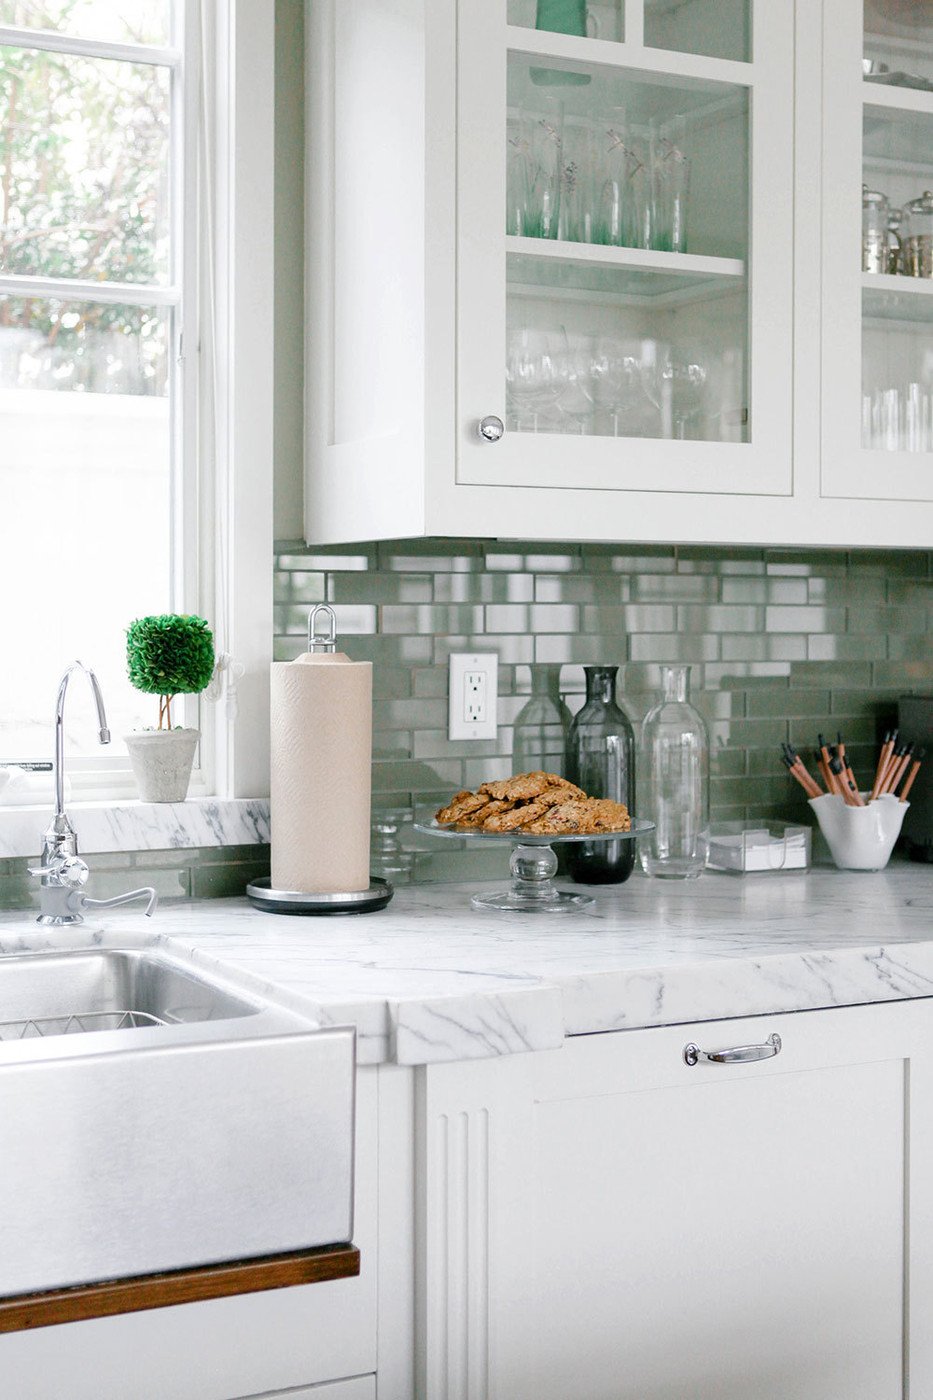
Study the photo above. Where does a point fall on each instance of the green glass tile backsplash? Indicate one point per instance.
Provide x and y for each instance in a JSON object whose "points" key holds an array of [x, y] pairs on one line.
{"points": [[783, 643]]}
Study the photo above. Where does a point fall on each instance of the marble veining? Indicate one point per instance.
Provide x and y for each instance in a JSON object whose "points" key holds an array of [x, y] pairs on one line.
{"points": [[141, 826], [430, 979]]}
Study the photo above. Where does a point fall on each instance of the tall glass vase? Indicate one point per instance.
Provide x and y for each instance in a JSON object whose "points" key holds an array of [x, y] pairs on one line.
{"points": [[540, 732], [601, 760], [674, 763]]}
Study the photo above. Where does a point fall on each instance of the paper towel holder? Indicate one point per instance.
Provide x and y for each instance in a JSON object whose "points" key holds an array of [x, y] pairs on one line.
{"points": [[322, 641]]}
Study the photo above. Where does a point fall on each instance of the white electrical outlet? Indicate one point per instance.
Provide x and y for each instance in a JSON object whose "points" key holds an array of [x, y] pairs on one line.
{"points": [[473, 689]]}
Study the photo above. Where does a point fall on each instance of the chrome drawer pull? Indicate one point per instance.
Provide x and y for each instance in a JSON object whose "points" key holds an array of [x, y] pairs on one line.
{"points": [[740, 1055]]}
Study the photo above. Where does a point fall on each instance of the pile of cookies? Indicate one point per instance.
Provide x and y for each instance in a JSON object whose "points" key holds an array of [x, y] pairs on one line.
{"points": [[539, 803]]}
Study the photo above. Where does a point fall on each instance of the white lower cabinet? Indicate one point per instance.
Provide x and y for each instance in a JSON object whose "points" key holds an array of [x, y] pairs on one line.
{"points": [[606, 1222]]}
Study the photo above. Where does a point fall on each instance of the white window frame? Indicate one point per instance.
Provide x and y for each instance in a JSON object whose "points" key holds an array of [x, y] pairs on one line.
{"points": [[223, 168]]}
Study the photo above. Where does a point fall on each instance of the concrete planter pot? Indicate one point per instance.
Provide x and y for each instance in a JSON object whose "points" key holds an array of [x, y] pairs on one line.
{"points": [[162, 762]]}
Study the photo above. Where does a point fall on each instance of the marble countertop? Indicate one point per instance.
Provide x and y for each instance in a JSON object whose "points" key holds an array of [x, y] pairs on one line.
{"points": [[430, 979]]}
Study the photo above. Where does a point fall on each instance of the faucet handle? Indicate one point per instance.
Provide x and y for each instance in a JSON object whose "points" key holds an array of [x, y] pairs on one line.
{"points": [[71, 871]]}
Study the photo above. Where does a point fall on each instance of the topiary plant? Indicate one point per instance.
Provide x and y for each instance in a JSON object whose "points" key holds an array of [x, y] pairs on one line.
{"points": [[168, 656]]}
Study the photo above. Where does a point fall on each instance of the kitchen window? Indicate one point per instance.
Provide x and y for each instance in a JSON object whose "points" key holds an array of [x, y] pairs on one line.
{"points": [[135, 408]]}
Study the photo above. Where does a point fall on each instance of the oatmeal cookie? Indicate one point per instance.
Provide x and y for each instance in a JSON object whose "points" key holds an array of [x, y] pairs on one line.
{"points": [[521, 787], [463, 805], [582, 817], [476, 821], [520, 816]]}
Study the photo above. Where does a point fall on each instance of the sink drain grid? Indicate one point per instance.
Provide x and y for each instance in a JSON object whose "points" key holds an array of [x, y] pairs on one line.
{"points": [[77, 1024]]}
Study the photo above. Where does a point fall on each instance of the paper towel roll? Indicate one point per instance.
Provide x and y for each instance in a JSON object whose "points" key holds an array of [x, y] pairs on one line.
{"points": [[321, 773]]}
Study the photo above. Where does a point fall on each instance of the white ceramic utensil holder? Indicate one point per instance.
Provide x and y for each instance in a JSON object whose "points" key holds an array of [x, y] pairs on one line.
{"points": [[860, 838]]}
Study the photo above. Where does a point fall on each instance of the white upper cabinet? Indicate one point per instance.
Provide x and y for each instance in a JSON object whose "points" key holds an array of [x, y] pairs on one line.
{"points": [[878, 217], [565, 276]]}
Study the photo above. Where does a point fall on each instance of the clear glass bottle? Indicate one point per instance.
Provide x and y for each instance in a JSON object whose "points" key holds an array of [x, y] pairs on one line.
{"points": [[674, 761], [601, 760], [541, 726]]}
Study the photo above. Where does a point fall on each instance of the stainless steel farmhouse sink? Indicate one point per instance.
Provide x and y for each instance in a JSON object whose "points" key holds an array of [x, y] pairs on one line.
{"points": [[155, 1116]]}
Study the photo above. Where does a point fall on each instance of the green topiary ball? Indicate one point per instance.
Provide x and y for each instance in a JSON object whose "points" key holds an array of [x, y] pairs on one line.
{"points": [[169, 655]]}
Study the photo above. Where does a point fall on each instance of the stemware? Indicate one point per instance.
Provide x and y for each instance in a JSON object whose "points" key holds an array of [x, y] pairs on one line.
{"points": [[674, 379], [531, 381]]}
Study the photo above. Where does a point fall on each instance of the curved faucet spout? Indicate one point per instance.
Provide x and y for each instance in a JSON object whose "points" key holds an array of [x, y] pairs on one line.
{"points": [[103, 731]]}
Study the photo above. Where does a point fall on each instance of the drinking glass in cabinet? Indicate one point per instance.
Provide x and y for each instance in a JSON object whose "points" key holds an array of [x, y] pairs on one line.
{"points": [[534, 169], [600, 19], [716, 28]]}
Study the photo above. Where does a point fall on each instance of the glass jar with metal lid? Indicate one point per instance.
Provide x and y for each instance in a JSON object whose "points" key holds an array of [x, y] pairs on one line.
{"points": [[879, 245], [917, 235]]}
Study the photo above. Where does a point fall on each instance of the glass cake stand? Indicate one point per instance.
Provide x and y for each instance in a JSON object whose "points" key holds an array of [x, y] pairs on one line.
{"points": [[533, 865]]}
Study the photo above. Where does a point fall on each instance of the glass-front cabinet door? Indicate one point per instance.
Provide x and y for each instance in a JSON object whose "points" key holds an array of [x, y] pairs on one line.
{"points": [[625, 220], [878, 249]]}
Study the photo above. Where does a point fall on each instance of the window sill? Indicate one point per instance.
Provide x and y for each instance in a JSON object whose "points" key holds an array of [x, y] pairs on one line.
{"points": [[141, 826]]}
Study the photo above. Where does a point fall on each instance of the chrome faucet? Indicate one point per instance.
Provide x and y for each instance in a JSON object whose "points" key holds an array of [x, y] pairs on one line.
{"points": [[60, 868]]}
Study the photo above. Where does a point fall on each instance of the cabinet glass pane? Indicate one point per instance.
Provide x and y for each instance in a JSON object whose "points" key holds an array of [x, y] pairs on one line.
{"points": [[595, 19], [897, 275], [899, 43], [627, 262], [717, 28]]}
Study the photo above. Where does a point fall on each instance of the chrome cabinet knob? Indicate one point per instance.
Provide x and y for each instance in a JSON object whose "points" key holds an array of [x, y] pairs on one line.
{"points": [[490, 428]]}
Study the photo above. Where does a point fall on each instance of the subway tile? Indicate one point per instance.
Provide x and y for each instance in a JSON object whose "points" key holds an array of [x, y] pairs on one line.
{"points": [[746, 675], [434, 743], [804, 731], [483, 770], [754, 733], [908, 563], [351, 620], [577, 650], [862, 702], [429, 681], [676, 588], [804, 619], [508, 563], [900, 620], [409, 714], [430, 555], [321, 562], [512, 649], [765, 590], [391, 682], [756, 647], [910, 647], [699, 559], [224, 881], [303, 588], [392, 745], [728, 763], [428, 620], [554, 617], [451, 865], [168, 884], [606, 589], [648, 646], [720, 619], [459, 563], [19, 892], [832, 673], [784, 703], [661, 561], [632, 617], [384, 588], [866, 647], [392, 651], [837, 591], [556, 563], [484, 588], [907, 675], [911, 592], [507, 617], [804, 562], [441, 775]]}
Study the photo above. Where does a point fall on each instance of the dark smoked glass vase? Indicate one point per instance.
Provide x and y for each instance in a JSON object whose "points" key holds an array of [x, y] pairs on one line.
{"points": [[601, 760]]}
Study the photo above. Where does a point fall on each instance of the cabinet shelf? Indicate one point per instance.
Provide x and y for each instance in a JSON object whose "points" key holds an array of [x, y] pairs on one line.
{"points": [[894, 298], [639, 275], [658, 65]]}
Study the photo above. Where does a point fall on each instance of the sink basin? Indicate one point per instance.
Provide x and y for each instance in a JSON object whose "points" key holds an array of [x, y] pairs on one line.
{"points": [[45, 994], [158, 1116]]}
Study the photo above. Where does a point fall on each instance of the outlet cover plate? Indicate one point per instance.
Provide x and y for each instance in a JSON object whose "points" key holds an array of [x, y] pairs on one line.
{"points": [[473, 690]]}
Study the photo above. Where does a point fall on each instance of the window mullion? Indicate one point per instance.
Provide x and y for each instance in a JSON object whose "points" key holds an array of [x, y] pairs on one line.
{"points": [[51, 41]]}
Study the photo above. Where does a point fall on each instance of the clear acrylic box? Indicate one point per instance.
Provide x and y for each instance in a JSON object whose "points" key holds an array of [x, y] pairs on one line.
{"points": [[745, 848]]}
